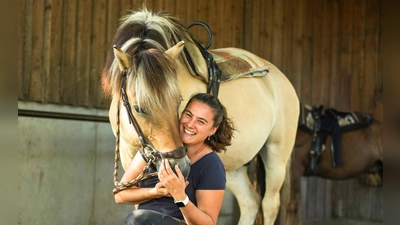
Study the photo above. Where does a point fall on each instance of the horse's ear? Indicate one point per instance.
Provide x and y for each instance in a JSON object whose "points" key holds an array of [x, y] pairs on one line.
{"points": [[123, 59], [175, 50]]}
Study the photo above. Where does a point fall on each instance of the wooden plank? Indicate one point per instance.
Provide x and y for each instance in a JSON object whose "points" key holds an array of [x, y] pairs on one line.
{"points": [[68, 74], [339, 187], [345, 58], [327, 208], [238, 36], [198, 11], [136, 4], [377, 206], [366, 199], [152, 5], [277, 34], [325, 49], [212, 14], [319, 196], [168, 6], [287, 53], [98, 50], [304, 198], [36, 57], [125, 6], [373, 80], [54, 85], [46, 73], [317, 75], [23, 15], [182, 11], [267, 30], [256, 20], [112, 20], [311, 199], [112, 23], [247, 19], [334, 73], [306, 70], [352, 199], [297, 47], [82, 57], [232, 21], [358, 55]]}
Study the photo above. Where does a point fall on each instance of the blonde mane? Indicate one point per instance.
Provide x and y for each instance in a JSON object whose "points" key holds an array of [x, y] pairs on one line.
{"points": [[152, 78]]}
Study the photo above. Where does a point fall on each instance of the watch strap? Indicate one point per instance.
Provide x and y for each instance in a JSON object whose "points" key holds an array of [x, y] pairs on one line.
{"points": [[182, 203]]}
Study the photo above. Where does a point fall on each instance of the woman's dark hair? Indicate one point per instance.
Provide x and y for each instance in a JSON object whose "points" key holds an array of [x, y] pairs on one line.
{"points": [[224, 133]]}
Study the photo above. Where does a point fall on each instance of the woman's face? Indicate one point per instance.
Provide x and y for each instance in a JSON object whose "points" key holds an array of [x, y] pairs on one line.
{"points": [[196, 123]]}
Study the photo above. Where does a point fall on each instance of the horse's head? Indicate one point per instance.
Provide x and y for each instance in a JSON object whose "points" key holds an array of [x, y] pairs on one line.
{"points": [[141, 77]]}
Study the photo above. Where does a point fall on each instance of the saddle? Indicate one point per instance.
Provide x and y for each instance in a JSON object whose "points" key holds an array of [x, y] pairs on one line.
{"points": [[322, 122], [223, 64], [235, 63]]}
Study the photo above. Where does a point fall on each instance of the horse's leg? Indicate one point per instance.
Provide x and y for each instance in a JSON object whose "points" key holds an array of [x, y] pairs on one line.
{"points": [[275, 159], [248, 199]]}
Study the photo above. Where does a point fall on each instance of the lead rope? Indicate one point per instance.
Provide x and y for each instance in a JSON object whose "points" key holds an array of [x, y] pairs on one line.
{"points": [[119, 186], [116, 158]]}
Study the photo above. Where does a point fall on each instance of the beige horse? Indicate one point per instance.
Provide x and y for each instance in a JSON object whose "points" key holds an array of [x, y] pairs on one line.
{"points": [[265, 109]]}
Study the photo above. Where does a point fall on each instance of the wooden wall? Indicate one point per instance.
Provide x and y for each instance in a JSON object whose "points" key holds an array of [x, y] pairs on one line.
{"points": [[329, 49]]}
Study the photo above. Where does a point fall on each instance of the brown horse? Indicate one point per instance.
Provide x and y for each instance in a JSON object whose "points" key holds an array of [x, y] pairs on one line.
{"points": [[358, 138]]}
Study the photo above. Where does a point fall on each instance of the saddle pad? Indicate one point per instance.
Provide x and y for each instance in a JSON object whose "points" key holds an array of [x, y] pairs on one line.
{"points": [[306, 120], [349, 121], [235, 63]]}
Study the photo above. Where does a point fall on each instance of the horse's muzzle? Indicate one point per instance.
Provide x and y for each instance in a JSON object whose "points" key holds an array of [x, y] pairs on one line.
{"points": [[175, 157]]}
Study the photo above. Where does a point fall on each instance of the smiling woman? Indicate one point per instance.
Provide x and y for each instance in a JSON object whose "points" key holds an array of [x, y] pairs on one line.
{"points": [[170, 199]]}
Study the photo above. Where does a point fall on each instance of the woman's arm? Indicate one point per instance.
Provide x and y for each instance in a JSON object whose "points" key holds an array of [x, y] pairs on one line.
{"points": [[137, 195], [209, 202]]}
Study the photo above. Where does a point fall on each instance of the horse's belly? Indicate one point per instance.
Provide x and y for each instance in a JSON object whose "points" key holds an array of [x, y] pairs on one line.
{"points": [[252, 111], [258, 106]]}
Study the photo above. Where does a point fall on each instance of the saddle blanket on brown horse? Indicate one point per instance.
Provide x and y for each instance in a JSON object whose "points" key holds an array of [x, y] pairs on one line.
{"points": [[329, 121], [235, 63]]}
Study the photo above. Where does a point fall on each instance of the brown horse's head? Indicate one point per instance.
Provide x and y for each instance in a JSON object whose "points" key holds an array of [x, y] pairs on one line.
{"points": [[146, 48]]}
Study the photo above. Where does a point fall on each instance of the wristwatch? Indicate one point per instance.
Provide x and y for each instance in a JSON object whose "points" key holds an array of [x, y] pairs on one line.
{"points": [[182, 203]]}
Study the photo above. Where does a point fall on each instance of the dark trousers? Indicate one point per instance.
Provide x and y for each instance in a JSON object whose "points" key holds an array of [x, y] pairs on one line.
{"points": [[150, 217]]}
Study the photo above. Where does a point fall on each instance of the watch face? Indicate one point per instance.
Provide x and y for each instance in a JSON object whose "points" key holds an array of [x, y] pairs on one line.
{"points": [[180, 204]]}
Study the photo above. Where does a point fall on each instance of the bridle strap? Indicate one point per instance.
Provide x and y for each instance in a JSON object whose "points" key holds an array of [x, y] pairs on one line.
{"points": [[132, 119], [180, 152]]}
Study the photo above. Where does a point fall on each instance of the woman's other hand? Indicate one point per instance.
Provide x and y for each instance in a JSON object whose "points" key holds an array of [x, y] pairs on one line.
{"points": [[174, 183], [160, 190]]}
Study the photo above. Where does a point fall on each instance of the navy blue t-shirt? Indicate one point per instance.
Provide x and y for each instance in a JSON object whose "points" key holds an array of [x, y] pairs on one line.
{"points": [[207, 173]]}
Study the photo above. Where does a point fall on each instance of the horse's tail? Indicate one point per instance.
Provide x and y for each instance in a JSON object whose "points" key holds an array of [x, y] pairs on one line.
{"points": [[285, 195], [259, 184]]}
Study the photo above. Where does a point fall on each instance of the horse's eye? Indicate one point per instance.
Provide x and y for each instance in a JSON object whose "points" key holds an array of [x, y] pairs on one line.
{"points": [[139, 110]]}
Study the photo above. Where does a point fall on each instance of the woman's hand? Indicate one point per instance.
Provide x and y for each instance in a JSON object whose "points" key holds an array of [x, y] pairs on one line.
{"points": [[174, 183], [160, 190]]}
